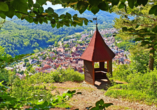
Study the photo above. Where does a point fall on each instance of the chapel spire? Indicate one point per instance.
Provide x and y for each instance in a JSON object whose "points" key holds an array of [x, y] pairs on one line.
{"points": [[96, 23]]}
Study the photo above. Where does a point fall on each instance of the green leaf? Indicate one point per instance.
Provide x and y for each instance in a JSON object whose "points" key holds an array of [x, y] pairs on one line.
{"points": [[108, 104], [62, 16], [73, 24], [49, 10], [97, 104], [95, 9], [115, 2], [55, 16], [37, 5], [29, 19], [41, 20], [145, 42], [122, 5], [131, 3], [20, 5], [137, 26], [95, 108], [79, 93], [143, 2], [32, 14], [41, 2], [75, 17], [53, 25], [35, 20], [2, 15], [18, 15], [86, 22], [154, 29], [35, 10], [30, 2], [41, 9], [101, 102], [10, 13], [68, 16], [131, 29], [138, 39], [4, 6], [82, 6], [124, 28], [103, 6], [53, 21], [58, 25], [94, 2], [155, 47], [153, 10], [72, 92], [151, 51]]}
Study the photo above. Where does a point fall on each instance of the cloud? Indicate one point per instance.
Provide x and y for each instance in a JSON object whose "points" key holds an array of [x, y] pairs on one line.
{"points": [[49, 4]]}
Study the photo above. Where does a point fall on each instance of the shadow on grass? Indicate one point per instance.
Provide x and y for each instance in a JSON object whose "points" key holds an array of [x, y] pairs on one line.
{"points": [[105, 84]]}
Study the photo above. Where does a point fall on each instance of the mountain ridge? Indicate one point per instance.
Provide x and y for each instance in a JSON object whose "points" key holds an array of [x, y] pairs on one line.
{"points": [[105, 19]]}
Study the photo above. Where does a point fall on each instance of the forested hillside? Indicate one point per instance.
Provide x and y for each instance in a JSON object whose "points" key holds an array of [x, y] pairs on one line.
{"points": [[17, 39], [20, 37]]}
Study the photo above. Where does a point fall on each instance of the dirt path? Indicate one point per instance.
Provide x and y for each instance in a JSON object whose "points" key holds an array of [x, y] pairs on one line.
{"points": [[91, 94]]}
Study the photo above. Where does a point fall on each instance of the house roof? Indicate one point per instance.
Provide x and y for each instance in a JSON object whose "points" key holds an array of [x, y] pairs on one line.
{"points": [[46, 66], [97, 49]]}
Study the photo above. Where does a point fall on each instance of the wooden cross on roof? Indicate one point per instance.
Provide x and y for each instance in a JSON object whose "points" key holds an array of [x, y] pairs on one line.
{"points": [[96, 22]]}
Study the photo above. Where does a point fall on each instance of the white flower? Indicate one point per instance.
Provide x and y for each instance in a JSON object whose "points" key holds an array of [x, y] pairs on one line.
{"points": [[41, 100]]}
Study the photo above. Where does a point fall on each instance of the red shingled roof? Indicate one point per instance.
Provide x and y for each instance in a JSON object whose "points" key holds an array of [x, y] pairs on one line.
{"points": [[97, 49]]}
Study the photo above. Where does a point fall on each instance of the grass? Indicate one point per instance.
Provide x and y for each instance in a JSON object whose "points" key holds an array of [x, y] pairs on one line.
{"points": [[115, 107], [140, 86], [63, 105], [76, 88], [121, 91]]}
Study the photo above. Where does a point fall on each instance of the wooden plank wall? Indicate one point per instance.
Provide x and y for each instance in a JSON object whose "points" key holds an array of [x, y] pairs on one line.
{"points": [[89, 72]]}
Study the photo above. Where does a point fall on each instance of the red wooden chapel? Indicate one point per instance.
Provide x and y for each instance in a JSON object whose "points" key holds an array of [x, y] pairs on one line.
{"points": [[97, 51]]}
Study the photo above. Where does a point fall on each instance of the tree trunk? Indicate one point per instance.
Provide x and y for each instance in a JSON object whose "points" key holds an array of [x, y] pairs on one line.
{"points": [[151, 60]]}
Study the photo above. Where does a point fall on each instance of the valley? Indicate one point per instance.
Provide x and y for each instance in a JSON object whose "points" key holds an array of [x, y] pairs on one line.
{"points": [[49, 62]]}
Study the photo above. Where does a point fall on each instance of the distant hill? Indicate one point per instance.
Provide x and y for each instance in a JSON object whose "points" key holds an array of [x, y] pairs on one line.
{"points": [[105, 19], [101, 15]]}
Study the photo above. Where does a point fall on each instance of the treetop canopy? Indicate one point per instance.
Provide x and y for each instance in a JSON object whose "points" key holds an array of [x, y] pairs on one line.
{"points": [[34, 11]]}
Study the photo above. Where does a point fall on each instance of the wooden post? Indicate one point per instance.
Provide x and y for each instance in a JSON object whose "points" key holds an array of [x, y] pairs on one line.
{"points": [[109, 67], [93, 73], [89, 72], [101, 65]]}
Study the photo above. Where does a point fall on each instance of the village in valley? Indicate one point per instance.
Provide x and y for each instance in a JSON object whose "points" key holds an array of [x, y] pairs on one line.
{"points": [[66, 54]]}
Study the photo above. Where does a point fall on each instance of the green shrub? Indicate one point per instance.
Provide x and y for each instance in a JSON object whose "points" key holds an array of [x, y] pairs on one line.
{"points": [[56, 76], [69, 74], [40, 78], [53, 87], [144, 82], [6, 76], [59, 75], [141, 87], [121, 72]]}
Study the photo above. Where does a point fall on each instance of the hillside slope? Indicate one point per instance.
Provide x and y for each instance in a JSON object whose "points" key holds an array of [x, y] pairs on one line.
{"points": [[17, 39]]}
